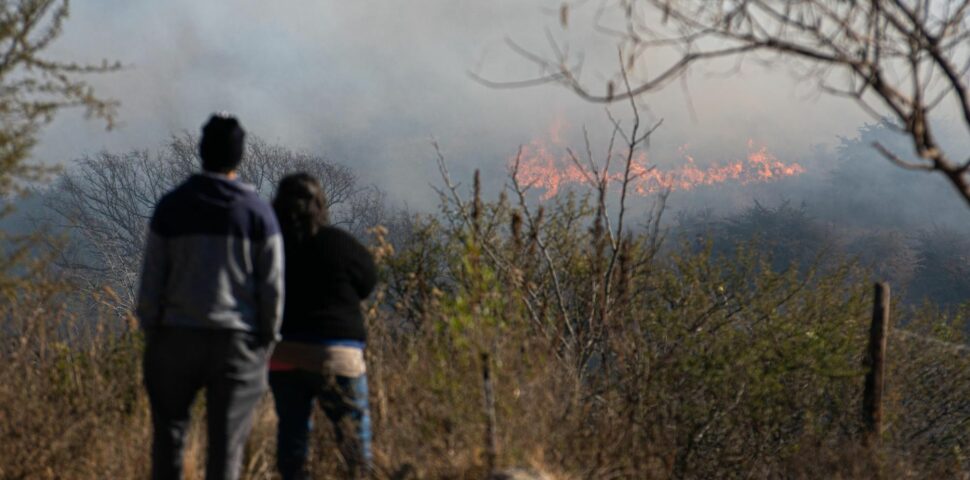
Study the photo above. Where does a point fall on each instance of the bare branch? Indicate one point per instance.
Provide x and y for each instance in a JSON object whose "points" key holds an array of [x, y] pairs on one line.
{"points": [[893, 58], [896, 159]]}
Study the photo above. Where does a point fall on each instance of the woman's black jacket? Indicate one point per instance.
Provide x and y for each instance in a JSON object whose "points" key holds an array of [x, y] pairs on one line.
{"points": [[327, 276]]}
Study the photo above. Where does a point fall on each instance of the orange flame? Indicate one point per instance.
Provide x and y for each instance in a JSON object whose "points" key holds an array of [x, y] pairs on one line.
{"points": [[539, 168]]}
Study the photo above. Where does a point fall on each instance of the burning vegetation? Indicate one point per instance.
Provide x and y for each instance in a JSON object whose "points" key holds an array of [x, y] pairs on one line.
{"points": [[547, 165]]}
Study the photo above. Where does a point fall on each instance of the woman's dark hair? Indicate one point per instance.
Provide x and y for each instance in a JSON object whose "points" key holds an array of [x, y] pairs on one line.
{"points": [[301, 206]]}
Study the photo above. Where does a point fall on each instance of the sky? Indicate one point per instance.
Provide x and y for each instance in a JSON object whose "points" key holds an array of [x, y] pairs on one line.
{"points": [[370, 84]]}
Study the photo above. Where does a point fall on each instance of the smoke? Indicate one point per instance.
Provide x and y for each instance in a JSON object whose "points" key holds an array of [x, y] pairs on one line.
{"points": [[368, 84]]}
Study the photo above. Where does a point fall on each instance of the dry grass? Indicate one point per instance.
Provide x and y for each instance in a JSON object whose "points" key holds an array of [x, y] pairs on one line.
{"points": [[705, 368], [80, 413]]}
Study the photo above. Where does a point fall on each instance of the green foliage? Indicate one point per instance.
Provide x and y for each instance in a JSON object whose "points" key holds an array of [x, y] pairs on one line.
{"points": [[610, 357], [686, 364], [944, 273], [925, 265], [674, 363]]}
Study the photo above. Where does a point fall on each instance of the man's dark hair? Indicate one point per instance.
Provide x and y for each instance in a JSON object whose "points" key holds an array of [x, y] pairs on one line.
{"points": [[221, 147], [301, 206]]}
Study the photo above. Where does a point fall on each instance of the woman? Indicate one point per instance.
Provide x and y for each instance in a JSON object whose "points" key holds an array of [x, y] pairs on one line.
{"points": [[321, 356]]}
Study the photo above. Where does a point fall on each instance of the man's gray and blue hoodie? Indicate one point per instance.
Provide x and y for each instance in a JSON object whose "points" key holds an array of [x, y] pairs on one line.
{"points": [[213, 259]]}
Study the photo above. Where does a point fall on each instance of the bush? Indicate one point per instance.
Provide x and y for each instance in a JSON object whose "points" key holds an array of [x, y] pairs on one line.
{"points": [[608, 357]]}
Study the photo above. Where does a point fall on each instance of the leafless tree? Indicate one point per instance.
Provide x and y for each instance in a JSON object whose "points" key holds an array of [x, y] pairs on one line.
{"points": [[104, 203], [906, 60]]}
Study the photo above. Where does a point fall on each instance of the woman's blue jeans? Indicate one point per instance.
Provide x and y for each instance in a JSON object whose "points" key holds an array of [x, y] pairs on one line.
{"points": [[343, 400]]}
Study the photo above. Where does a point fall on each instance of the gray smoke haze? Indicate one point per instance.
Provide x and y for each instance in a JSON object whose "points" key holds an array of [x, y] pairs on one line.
{"points": [[369, 83]]}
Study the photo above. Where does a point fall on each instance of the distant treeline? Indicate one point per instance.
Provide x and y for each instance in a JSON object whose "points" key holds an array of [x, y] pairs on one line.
{"points": [[930, 265]]}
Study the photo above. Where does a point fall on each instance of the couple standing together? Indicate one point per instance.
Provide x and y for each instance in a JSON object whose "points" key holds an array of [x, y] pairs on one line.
{"points": [[211, 304]]}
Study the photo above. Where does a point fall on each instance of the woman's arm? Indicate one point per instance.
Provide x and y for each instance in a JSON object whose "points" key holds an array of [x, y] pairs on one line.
{"points": [[361, 267]]}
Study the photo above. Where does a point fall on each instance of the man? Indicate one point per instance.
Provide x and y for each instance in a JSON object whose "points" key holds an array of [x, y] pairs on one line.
{"points": [[210, 305]]}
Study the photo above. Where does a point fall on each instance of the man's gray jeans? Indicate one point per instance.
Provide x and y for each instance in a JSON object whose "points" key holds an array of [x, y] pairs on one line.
{"points": [[230, 366]]}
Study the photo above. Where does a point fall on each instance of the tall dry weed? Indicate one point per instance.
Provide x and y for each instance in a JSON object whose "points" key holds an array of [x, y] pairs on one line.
{"points": [[682, 365]]}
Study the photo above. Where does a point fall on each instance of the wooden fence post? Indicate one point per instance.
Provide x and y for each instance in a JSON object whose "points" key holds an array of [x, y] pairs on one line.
{"points": [[875, 366]]}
